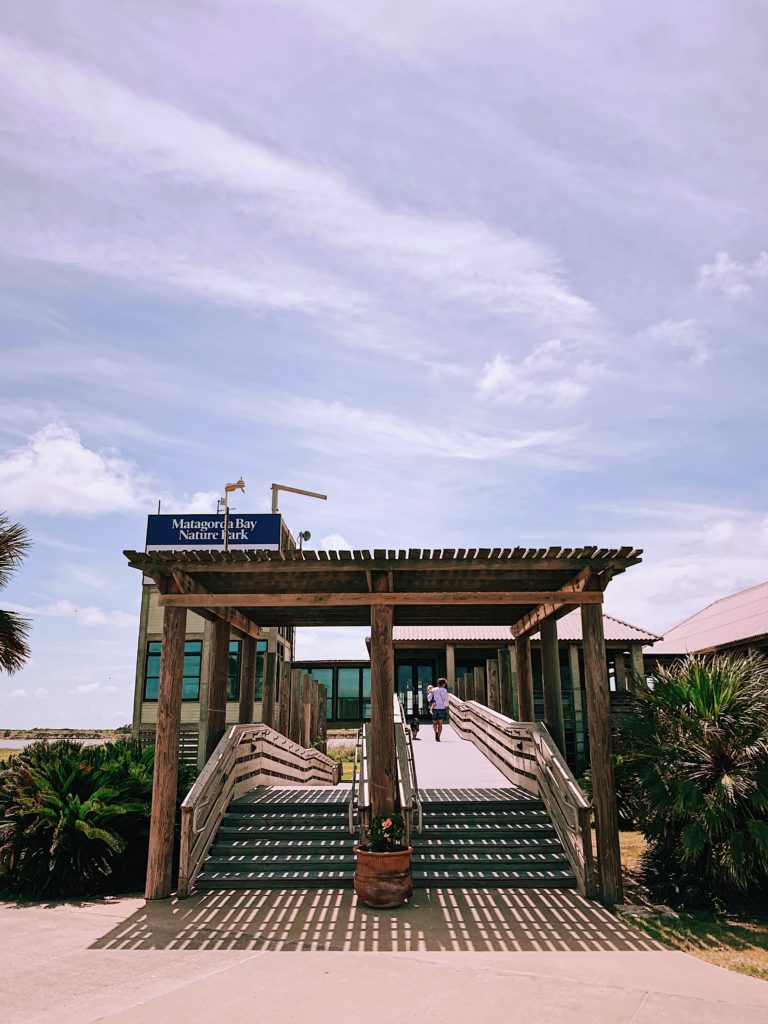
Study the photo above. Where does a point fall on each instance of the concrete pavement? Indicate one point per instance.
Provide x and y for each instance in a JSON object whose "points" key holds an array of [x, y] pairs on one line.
{"points": [[450, 956]]}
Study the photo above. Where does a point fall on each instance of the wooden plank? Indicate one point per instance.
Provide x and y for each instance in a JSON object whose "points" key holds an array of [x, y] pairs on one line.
{"points": [[352, 599], [638, 666], [217, 685], [601, 756], [553, 694], [322, 716], [269, 689], [524, 678], [166, 768], [530, 622], [314, 731], [381, 730], [620, 670], [450, 665], [294, 725], [492, 677], [247, 680]]}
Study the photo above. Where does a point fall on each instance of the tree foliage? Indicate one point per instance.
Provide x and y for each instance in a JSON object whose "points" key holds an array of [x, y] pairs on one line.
{"points": [[14, 629], [696, 752], [76, 818]]}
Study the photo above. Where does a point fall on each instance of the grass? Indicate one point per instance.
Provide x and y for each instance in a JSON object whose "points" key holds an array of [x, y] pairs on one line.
{"points": [[344, 754], [5, 753], [729, 938]]}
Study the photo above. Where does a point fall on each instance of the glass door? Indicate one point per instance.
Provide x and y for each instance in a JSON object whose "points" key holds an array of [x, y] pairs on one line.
{"points": [[412, 680]]}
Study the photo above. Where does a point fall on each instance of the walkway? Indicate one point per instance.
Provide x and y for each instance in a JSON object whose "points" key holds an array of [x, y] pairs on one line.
{"points": [[303, 956], [455, 764]]}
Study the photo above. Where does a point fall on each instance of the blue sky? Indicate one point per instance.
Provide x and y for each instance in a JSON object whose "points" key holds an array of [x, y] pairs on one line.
{"points": [[487, 274]]}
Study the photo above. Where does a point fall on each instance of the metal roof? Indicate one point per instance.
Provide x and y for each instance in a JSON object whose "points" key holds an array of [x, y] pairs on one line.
{"points": [[568, 628], [729, 620]]}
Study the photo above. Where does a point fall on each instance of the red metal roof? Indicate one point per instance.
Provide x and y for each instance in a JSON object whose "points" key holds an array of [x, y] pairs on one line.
{"points": [[568, 628], [729, 620]]}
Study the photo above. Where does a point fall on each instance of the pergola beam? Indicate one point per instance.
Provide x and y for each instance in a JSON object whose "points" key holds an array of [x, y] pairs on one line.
{"points": [[189, 588], [493, 597], [569, 595]]}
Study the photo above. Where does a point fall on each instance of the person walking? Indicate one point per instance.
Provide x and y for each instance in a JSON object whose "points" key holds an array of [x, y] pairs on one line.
{"points": [[439, 706]]}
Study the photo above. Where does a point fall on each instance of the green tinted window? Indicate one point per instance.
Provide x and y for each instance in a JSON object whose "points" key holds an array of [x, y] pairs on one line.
{"points": [[233, 671], [348, 700], [190, 686], [261, 658]]}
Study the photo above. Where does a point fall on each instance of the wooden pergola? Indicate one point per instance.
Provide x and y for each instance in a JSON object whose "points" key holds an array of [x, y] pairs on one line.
{"points": [[246, 591]]}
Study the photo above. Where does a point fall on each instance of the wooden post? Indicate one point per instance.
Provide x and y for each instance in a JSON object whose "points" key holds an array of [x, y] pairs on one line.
{"points": [[579, 731], [322, 716], [268, 690], [601, 756], [504, 655], [217, 685], [480, 694], [637, 676], [524, 678], [382, 727], [553, 694], [450, 666], [294, 723], [620, 670], [166, 771], [492, 675], [247, 680], [306, 710], [314, 723], [284, 710]]}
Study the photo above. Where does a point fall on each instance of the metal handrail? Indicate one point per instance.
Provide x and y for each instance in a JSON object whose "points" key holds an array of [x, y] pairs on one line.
{"points": [[416, 794], [354, 804]]}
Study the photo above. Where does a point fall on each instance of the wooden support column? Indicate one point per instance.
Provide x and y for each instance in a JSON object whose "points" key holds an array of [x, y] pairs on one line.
{"points": [[382, 728], [480, 695], [492, 677], [579, 731], [620, 670], [247, 680], [601, 756], [306, 710], [314, 724], [506, 682], [450, 666], [322, 716], [637, 676], [553, 694], [524, 678], [294, 722], [284, 711], [217, 685], [269, 690], [166, 771]]}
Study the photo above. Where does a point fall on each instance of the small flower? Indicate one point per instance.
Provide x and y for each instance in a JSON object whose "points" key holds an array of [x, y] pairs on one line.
{"points": [[387, 823]]}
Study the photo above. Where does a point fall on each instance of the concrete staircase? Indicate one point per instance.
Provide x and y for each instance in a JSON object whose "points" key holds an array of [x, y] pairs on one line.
{"points": [[291, 839]]}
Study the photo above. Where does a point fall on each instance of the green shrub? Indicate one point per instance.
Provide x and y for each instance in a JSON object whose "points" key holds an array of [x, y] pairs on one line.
{"points": [[386, 833], [75, 819], [696, 755]]}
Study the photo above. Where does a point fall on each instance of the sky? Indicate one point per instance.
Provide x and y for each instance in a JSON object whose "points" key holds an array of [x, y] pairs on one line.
{"points": [[487, 274]]}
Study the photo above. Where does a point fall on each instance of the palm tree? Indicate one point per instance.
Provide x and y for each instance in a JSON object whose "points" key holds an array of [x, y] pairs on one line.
{"points": [[14, 630], [696, 751]]}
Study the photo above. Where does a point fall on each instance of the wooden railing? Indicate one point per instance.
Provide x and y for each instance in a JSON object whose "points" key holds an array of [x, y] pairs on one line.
{"points": [[246, 756], [526, 754]]}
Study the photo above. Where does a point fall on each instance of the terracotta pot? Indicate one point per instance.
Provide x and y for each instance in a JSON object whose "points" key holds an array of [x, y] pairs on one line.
{"points": [[383, 879]]}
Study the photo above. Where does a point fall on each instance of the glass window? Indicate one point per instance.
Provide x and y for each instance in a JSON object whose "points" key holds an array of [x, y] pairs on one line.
{"points": [[233, 671], [348, 700], [366, 693], [324, 677], [190, 687]]}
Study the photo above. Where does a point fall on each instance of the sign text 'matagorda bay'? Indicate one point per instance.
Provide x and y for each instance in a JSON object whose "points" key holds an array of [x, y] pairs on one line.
{"points": [[206, 532]]}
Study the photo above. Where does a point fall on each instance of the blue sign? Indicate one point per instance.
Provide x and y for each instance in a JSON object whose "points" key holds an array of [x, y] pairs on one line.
{"points": [[206, 532]]}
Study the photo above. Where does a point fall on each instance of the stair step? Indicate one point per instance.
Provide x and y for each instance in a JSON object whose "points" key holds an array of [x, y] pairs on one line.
{"points": [[297, 845], [275, 879], [439, 847], [482, 806], [521, 828], [556, 879]]}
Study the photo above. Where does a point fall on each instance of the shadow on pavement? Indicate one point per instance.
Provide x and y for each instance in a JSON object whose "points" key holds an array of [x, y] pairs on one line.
{"points": [[456, 920]]}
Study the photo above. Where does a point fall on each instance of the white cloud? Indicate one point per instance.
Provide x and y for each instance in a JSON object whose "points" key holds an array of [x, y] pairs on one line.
{"points": [[18, 694], [86, 615], [335, 542], [552, 372], [684, 335], [733, 279], [55, 474], [41, 692]]}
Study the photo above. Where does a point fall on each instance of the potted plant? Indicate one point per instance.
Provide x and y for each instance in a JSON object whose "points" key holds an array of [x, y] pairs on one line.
{"points": [[383, 863]]}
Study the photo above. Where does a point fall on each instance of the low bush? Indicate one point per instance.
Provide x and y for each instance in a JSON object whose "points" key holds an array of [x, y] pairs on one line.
{"points": [[74, 820], [695, 755]]}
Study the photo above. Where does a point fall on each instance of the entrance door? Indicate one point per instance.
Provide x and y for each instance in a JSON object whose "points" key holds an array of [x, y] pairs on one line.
{"points": [[412, 680]]}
